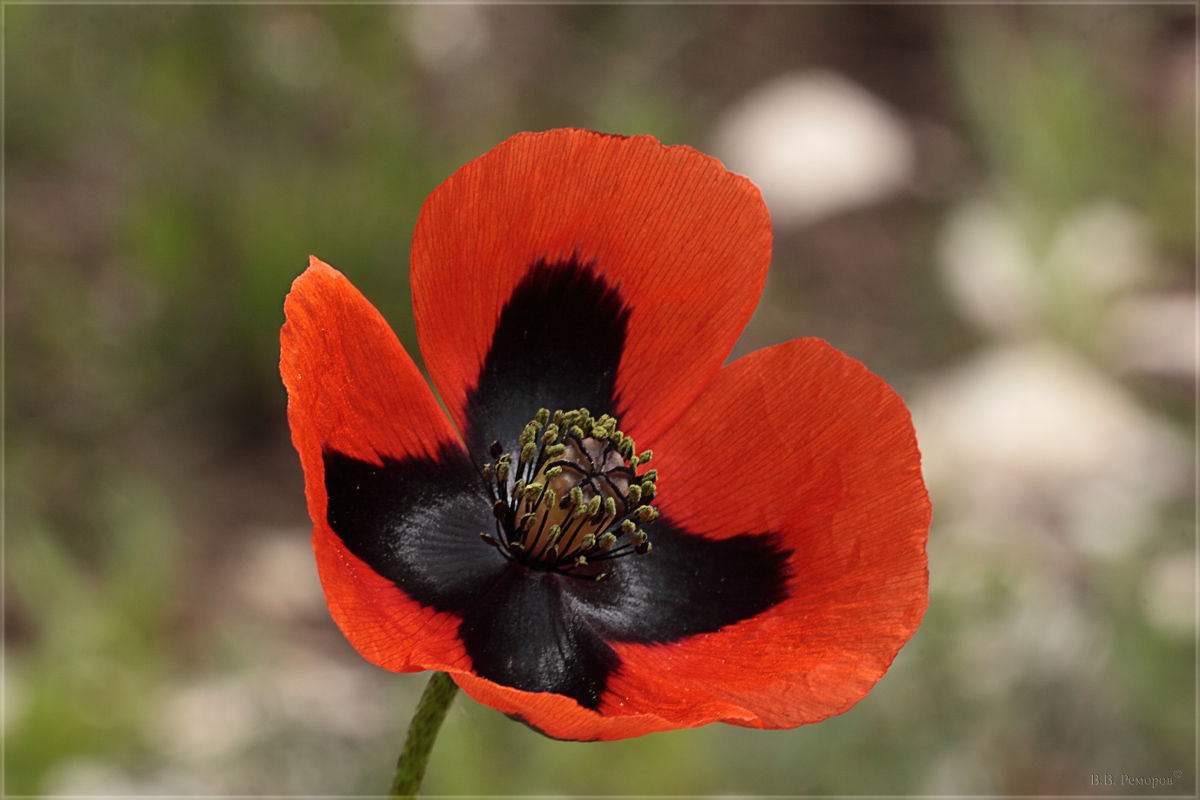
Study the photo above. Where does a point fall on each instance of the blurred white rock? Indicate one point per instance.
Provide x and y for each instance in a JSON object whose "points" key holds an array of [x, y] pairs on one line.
{"points": [[277, 576], [816, 144], [445, 36], [1169, 592], [1033, 437], [330, 696], [299, 50], [988, 270], [1154, 333], [209, 721], [1041, 634], [998, 282], [1100, 249]]}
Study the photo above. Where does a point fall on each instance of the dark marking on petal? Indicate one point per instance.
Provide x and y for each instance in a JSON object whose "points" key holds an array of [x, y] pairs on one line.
{"points": [[525, 633], [557, 344], [689, 584], [416, 522]]}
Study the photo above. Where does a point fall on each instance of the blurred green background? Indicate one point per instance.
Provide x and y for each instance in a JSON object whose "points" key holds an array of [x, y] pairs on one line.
{"points": [[992, 207]]}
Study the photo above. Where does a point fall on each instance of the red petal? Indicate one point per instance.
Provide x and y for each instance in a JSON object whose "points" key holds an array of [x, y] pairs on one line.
{"points": [[558, 716], [353, 388], [801, 440], [687, 242]]}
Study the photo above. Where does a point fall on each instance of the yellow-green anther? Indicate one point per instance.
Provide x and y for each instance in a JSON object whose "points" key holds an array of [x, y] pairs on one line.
{"points": [[543, 416], [646, 514], [519, 489], [610, 507], [587, 541], [558, 417], [531, 491], [528, 520], [530, 433], [579, 562], [606, 541], [578, 431], [487, 472], [651, 475], [626, 449], [550, 435], [628, 527], [528, 452], [635, 494], [644, 458], [648, 490], [555, 533], [553, 472], [502, 471], [593, 505], [550, 498], [556, 451], [639, 537]]}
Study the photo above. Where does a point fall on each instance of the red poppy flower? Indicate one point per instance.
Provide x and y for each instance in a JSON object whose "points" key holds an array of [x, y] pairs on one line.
{"points": [[576, 292]]}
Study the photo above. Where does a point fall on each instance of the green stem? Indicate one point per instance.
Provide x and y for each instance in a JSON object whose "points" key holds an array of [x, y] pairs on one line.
{"points": [[422, 733]]}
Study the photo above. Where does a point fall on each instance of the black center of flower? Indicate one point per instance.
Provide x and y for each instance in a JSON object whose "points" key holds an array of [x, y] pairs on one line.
{"points": [[573, 499]]}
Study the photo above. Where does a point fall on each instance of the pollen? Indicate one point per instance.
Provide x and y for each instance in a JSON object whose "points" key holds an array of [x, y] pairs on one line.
{"points": [[573, 501]]}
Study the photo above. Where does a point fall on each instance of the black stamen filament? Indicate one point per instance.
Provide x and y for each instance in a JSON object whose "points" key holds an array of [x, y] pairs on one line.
{"points": [[574, 497]]}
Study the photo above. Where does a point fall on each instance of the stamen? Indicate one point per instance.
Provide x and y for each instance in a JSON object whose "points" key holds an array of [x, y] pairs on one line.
{"points": [[576, 496]]}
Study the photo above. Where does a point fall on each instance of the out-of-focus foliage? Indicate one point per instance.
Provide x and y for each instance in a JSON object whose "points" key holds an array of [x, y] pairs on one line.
{"points": [[992, 207]]}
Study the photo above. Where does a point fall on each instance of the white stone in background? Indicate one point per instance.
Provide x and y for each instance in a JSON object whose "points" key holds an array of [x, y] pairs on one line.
{"points": [[1032, 437], [1042, 633], [329, 696], [1154, 333], [299, 50], [445, 36], [988, 270], [210, 721], [815, 144], [1101, 249], [90, 777], [277, 576], [1169, 590]]}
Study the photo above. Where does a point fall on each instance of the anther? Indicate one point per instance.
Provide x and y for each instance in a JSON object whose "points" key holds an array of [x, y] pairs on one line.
{"points": [[576, 490]]}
